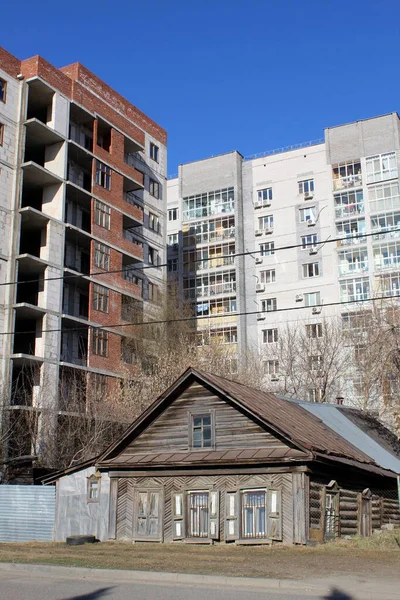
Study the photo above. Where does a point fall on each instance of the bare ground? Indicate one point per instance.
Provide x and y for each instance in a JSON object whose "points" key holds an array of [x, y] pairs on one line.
{"points": [[330, 560]]}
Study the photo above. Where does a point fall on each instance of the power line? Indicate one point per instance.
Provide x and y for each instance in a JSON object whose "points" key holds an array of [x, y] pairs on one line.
{"points": [[202, 318], [321, 243]]}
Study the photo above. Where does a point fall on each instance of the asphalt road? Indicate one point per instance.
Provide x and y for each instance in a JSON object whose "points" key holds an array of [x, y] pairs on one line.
{"points": [[30, 586]]}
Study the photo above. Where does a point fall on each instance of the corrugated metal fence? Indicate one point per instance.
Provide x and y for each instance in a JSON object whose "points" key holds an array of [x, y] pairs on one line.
{"points": [[27, 513]]}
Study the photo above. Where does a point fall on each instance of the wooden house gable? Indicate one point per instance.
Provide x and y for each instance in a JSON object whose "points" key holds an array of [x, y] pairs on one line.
{"points": [[172, 429]]}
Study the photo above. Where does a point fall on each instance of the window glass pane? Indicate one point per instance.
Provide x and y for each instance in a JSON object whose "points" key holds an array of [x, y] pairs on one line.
{"points": [[207, 420], [196, 421]]}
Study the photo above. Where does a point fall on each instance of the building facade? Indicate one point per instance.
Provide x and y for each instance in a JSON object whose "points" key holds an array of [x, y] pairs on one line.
{"points": [[316, 232], [82, 210]]}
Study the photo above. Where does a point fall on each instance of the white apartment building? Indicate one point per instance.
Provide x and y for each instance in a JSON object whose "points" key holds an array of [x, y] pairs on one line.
{"points": [[299, 219]]}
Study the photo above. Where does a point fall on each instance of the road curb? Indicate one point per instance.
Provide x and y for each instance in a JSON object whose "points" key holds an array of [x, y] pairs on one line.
{"points": [[362, 587]]}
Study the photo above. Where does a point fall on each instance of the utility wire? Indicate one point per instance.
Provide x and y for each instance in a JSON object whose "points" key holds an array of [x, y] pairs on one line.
{"points": [[200, 318], [320, 244]]}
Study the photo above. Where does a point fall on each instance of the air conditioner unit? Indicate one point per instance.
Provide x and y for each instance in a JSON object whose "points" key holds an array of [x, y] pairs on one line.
{"points": [[299, 298], [316, 310], [259, 260], [308, 195], [260, 287], [313, 250], [268, 230], [259, 231], [260, 317], [274, 378], [310, 222]]}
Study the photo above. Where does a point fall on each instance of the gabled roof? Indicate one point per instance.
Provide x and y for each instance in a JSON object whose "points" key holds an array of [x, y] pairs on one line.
{"points": [[288, 420]]}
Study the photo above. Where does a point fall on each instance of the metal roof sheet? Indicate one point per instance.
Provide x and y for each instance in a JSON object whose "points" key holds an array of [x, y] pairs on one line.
{"points": [[334, 418]]}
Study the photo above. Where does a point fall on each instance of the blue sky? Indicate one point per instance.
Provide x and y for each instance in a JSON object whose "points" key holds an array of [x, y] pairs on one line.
{"points": [[224, 75]]}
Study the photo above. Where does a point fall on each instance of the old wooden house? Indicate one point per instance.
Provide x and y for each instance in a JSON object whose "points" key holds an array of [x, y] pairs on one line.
{"points": [[216, 461]]}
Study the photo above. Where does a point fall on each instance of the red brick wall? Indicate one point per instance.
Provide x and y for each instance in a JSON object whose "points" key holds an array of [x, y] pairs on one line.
{"points": [[37, 66], [80, 73], [9, 63]]}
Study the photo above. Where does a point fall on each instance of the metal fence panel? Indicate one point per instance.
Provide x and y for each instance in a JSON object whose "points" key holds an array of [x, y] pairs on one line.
{"points": [[27, 513]]}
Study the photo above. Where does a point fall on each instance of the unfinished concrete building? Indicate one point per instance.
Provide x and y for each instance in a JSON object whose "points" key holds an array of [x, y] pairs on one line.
{"points": [[82, 208]]}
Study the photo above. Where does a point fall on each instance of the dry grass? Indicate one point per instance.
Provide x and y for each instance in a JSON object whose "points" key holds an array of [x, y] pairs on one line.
{"points": [[342, 558]]}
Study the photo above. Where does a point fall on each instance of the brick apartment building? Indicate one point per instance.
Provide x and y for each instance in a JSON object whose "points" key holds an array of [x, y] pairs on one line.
{"points": [[82, 210]]}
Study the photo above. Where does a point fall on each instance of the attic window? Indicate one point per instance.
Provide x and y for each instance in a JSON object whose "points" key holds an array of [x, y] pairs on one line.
{"points": [[93, 487], [201, 430]]}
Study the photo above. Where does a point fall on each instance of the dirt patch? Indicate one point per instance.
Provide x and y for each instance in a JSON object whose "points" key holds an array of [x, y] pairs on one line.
{"points": [[277, 562]]}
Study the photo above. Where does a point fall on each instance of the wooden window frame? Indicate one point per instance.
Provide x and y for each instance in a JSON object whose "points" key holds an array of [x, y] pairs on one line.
{"points": [[94, 478], [103, 175], [102, 214], [203, 413], [273, 520], [4, 84], [101, 298], [154, 188], [100, 343], [102, 256]]}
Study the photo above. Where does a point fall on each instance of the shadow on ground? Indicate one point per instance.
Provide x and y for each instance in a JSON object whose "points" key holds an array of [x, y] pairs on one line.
{"points": [[92, 595], [336, 594]]}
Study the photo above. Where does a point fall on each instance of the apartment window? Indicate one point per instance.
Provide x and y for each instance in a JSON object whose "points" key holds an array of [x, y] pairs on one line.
{"points": [[271, 367], [1, 134], [152, 292], [306, 186], [172, 214], [384, 197], [103, 175], [102, 256], [312, 299], [102, 214], [314, 330], [316, 362], [154, 223], [311, 270], [99, 385], [267, 249], [267, 276], [209, 203], [266, 222], [154, 188], [307, 214], [100, 298], [173, 239], [172, 265], [264, 196], [270, 336], [154, 151], [349, 204], [3, 90], [381, 167], [309, 241], [202, 431], [100, 342], [269, 305], [346, 175], [153, 256], [354, 290]]}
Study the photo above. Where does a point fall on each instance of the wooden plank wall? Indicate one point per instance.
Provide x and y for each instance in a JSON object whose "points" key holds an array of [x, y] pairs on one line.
{"points": [[348, 512], [124, 527], [232, 428], [316, 511]]}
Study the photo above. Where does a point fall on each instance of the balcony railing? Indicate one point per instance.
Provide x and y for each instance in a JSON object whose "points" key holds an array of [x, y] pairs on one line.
{"points": [[346, 268], [349, 210], [348, 182], [386, 263], [353, 238], [385, 233], [215, 263], [217, 288]]}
